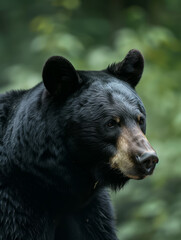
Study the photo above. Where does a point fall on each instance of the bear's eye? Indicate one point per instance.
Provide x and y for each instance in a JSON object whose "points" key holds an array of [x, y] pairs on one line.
{"points": [[111, 123], [141, 120]]}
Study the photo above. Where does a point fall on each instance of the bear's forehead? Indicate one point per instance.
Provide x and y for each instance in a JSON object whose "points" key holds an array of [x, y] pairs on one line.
{"points": [[103, 88], [102, 83]]}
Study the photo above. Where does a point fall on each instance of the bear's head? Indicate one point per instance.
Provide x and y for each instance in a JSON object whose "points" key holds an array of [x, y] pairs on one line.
{"points": [[104, 118]]}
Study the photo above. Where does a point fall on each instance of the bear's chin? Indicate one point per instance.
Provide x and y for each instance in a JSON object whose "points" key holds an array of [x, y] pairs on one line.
{"points": [[115, 179]]}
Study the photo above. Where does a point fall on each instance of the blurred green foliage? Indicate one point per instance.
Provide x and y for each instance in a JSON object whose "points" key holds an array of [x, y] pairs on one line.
{"points": [[93, 34]]}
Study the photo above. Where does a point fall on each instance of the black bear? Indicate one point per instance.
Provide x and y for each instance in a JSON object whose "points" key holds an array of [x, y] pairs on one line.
{"points": [[63, 142]]}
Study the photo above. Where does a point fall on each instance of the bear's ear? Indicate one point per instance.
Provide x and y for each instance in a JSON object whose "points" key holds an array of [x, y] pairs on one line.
{"points": [[130, 68], [60, 77]]}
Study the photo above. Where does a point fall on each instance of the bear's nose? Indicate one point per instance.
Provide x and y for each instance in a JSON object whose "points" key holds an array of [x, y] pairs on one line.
{"points": [[148, 160]]}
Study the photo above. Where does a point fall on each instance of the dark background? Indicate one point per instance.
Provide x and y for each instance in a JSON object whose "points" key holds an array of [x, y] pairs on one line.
{"points": [[93, 34]]}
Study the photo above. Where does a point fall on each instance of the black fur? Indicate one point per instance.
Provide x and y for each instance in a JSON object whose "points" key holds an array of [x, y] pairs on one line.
{"points": [[55, 147], [130, 69]]}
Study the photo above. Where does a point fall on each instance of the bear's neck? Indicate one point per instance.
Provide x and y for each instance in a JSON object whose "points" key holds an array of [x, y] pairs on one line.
{"points": [[71, 193]]}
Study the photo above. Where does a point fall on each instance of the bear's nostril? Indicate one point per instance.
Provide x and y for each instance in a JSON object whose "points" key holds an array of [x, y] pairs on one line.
{"points": [[148, 162]]}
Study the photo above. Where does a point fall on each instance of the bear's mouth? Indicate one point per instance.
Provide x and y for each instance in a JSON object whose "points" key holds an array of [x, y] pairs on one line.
{"points": [[137, 173], [138, 177]]}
